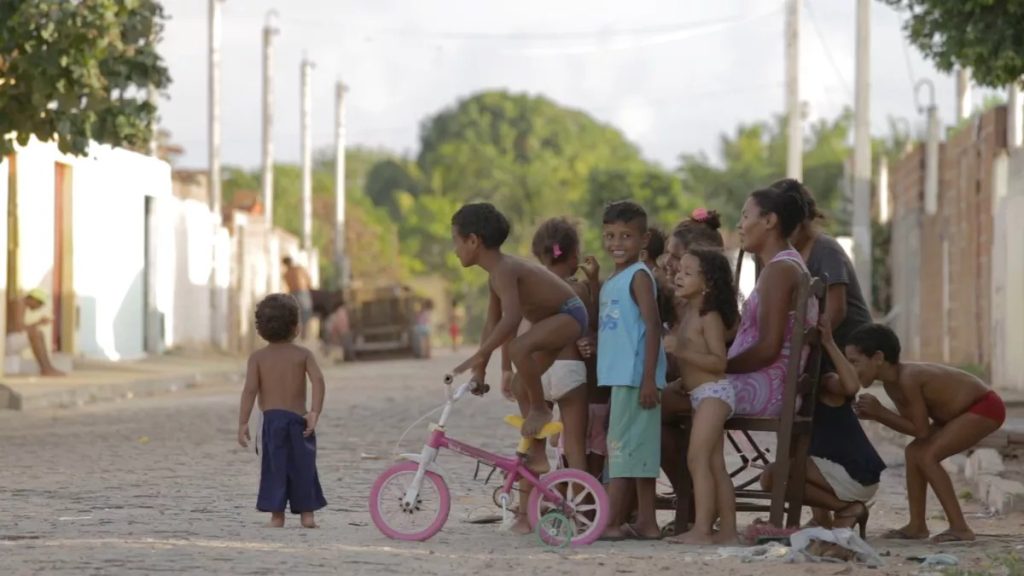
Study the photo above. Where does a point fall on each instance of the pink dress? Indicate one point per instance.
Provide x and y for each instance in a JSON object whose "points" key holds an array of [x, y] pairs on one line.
{"points": [[760, 393]]}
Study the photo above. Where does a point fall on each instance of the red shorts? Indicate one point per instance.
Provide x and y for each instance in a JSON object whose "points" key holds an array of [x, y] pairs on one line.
{"points": [[990, 406]]}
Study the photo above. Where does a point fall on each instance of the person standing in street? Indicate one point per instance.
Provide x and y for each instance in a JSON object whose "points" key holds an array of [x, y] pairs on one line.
{"points": [[296, 278]]}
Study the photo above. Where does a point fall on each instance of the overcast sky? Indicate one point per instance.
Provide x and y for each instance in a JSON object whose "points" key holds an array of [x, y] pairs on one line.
{"points": [[672, 74]]}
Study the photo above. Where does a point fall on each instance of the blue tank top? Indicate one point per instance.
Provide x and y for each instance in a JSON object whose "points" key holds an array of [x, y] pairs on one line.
{"points": [[621, 333]]}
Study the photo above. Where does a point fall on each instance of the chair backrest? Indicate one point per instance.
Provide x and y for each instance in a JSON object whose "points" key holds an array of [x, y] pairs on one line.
{"points": [[802, 381], [810, 379]]}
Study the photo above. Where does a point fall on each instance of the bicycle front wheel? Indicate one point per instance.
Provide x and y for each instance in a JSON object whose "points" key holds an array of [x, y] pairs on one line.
{"points": [[424, 518]]}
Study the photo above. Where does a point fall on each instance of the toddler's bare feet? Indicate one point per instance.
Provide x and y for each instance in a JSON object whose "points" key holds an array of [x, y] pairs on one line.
{"points": [[308, 521], [536, 420], [693, 538], [276, 520]]}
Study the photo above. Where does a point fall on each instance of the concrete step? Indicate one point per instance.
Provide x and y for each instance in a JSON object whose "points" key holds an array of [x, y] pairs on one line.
{"points": [[22, 366]]}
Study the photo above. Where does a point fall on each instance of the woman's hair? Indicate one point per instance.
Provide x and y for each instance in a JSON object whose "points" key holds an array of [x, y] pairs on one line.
{"points": [[785, 199], [656, 244], [812, 207], [700, 229], [555, 241], [277, 316], [721, 296]]}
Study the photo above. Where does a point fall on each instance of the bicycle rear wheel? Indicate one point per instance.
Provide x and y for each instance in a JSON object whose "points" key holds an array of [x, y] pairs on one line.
{"points": [[580, 498]]}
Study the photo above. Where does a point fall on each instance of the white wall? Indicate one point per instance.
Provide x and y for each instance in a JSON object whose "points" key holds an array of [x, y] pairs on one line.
{"points": [[108, 190], [1008, 273]]}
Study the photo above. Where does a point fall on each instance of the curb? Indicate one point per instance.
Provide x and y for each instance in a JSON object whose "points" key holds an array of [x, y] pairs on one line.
{"points": [[145, 386]]}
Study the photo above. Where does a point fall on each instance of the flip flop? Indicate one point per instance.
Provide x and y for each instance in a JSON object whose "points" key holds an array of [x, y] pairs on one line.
{"points": [[633, 534], [948, 537], [901, 534], [618, 538]]}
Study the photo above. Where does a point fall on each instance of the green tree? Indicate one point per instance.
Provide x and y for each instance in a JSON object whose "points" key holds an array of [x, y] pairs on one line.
{"points": [[755, 156], [371, 235], [79, 71], [983, 35]]}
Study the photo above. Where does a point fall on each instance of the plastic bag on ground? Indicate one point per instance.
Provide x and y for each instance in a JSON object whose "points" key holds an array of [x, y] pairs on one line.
{"points": [[838, 545]]}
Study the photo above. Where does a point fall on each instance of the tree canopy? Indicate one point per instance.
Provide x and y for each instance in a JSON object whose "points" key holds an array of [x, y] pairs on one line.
{"points": [[983, 35], [79, 71]]}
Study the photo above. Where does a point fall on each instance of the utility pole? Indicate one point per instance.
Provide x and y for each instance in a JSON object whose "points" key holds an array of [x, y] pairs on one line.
{"points": [[214, 120], [1014, 116], [214, 167], [340, 261], [269, 31], [963, 93], [931, 147], [862, 152], [307, 157], [795, 150]]}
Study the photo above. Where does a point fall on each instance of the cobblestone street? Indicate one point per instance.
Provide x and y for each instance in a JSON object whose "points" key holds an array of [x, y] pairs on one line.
{"points": [[159, 485]]}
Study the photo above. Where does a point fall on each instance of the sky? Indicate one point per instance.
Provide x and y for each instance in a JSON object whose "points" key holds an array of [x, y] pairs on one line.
{"points": [[673, 75]]}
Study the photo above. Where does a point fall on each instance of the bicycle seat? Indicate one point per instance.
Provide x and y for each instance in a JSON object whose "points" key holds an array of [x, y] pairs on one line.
{"points": [[549, 429]]}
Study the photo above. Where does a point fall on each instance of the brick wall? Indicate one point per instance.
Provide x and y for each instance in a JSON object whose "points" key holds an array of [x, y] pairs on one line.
{"points": [[951, 266]]}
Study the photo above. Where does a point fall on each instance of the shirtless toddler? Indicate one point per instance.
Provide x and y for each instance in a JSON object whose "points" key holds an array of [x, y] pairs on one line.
{"points": [[946, 410], [276, 376]]}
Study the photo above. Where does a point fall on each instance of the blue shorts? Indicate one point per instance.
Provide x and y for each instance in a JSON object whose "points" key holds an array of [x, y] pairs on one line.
{"points": [[574, 307], [288, 471]]}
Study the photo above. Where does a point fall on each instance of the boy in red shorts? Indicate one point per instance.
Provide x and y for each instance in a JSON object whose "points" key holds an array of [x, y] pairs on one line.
{"points": [[946, 410]]}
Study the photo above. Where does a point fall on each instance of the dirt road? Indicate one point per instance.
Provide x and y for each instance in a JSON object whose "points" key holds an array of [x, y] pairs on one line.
{"points": [[159, 485]]}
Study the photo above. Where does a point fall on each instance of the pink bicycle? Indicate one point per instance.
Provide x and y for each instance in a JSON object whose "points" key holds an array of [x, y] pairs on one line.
{"points": [[410, 500]]}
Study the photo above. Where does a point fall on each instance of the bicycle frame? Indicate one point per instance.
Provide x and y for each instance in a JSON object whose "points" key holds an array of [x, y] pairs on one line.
{"points": [[513, 467]]}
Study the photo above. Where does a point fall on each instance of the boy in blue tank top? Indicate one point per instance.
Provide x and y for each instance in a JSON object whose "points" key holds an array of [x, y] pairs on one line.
{"points": [[630, 359], [520, 290]]}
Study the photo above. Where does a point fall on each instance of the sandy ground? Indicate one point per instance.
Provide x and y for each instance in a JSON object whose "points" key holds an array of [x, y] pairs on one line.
{"points": [[160, 486]]}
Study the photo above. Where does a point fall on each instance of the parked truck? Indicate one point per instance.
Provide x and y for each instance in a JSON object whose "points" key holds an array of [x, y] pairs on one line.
{"points": [[383, 319]]}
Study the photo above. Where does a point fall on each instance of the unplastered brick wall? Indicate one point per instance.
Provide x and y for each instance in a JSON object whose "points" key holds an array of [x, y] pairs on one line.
{"points": [[951, 265]]}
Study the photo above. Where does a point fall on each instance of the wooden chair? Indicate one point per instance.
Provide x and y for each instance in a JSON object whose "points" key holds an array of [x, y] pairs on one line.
{"points": [[792, 427]]}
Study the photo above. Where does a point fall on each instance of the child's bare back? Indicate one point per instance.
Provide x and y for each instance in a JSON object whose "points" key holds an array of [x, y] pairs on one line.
{"points": [[541, 293], [948, 392], [282, 370]]}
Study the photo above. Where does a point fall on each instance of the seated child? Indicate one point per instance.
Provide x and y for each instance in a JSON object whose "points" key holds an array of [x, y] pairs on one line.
{"points": [[276, 376], [631, 361], [520, 290], [946, 410], [705, 283]]}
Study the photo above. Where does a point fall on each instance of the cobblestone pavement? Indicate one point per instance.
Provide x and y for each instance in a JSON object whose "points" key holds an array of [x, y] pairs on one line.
{"points": [[159, 485]]}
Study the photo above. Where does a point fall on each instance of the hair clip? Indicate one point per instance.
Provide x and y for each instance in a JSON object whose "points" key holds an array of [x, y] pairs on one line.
{"points": [[699, 214]]}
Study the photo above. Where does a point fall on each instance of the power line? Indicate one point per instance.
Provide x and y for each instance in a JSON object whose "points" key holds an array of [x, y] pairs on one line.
{"points": [[828, 51], [906, 58]]}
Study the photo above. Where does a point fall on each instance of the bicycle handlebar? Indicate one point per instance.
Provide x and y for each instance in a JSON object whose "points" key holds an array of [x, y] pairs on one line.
{"points": [[472, 386]]}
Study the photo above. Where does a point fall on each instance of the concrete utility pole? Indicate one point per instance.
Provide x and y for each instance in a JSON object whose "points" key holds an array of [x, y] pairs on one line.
{"points": [[795, 150], [340, 261], [307, 157], [931, 148], [1014, 116], [214, 151], [216, 330], [963, 93], [269, 31], [862, 152]]}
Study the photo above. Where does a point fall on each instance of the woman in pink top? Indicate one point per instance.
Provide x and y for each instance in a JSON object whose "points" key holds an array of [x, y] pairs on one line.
{"points": [[758, 356]]}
